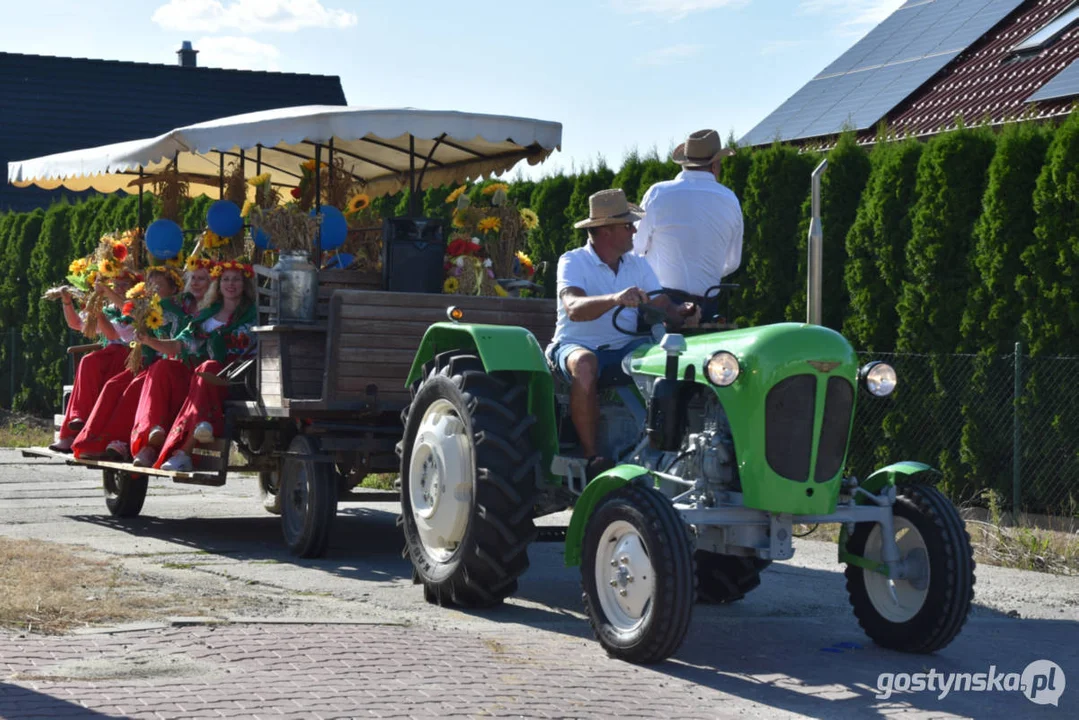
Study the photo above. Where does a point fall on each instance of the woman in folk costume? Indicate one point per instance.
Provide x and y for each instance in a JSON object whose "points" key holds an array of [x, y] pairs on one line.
{"points": [[97, 367], [108, 430], [166, 381], [222, 333]]}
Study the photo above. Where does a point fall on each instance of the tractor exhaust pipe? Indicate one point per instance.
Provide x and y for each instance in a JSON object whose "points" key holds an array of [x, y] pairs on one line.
{"points": [[815, 244]]}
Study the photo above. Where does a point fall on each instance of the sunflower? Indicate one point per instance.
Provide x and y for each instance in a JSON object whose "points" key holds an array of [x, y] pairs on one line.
{"points": [[91, 279], [501, 291], [358, 202], [193, 263], [529, 219], [109, 268], [79, 266], [451, 285], [155, 319], [452, 197], [489, 224], [495, 187], [212, 240], [526, 263], [247, 208], [458, 219], [136, 291], [259, 180]]}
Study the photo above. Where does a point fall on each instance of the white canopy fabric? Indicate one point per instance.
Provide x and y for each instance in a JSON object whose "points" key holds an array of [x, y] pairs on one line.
{"points": [[376, 145]]}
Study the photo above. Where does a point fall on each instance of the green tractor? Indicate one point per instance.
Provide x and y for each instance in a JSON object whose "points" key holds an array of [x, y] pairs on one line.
{"points": [[725, 441]]}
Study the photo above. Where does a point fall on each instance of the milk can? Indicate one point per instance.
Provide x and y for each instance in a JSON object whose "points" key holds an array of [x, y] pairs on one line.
{"points": [[296, 288]]}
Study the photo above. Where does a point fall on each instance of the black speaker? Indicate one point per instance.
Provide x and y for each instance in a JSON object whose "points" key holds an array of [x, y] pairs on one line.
{"points": [[413, 250]]}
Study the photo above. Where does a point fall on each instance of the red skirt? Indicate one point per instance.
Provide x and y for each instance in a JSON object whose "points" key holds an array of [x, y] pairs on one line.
{"points": [[113, 415], [205, 402], [94, 371], [162, 395]]}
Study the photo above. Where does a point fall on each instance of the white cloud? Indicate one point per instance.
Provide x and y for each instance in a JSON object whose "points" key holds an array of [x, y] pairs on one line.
{"points": [[669, 55], [775, 47], [249, 16], [858, 15], [673, 9], [236, 53]]}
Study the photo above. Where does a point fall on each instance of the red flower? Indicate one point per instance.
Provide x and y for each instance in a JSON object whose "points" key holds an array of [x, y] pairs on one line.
{"points": [[119, 251], [129, 308], [456, 247], [297, 193]]}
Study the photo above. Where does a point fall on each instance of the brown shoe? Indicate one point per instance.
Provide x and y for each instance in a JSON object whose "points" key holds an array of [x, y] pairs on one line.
{"points": [[63, 445], [76, 425], [156, 437]]}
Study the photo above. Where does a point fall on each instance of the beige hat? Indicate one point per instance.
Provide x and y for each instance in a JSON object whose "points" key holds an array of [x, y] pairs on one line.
{"points": [[609, 207], [700, 149]]}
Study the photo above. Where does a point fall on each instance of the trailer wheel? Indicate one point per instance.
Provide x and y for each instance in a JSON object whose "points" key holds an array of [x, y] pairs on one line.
{"points": [[468, 481], [923, 612], [269, 491], [125, 492], [637, 574], [726, 578], [308, 499]]}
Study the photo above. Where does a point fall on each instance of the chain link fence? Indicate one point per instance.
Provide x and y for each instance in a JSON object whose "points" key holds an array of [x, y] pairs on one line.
{"points": [[1007, 424]]}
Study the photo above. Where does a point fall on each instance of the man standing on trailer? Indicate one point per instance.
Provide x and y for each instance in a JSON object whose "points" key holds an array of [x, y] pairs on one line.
{"points": [[691, 233], [592, 282]]}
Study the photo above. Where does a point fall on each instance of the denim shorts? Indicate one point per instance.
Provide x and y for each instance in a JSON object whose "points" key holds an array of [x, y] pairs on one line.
{"points": [[608, 359]]}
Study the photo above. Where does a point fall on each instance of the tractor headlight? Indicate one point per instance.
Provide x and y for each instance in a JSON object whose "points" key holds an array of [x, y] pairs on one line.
{"points": [[878, 378], [722, 368], [627, 364]]}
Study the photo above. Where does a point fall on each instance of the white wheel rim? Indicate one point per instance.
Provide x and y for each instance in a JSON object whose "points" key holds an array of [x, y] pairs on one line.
{"points": [[625, 579], [440, 472], [899, 600]]}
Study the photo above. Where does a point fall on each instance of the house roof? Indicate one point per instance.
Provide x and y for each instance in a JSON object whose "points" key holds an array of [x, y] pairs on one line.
{"points": [[981, 79], [54, 104]]}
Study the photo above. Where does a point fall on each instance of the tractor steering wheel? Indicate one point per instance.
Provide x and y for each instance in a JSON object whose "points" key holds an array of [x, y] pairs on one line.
{"points": [[649, 314]]}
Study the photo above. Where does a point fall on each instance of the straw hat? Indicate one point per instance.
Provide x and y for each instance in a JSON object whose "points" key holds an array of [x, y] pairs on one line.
{"points": [[610, 207], [700, 149]]}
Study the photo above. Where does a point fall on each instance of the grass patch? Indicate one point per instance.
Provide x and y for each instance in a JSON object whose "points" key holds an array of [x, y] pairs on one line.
{"points": [[22, 435], [380, 481], [50, 588]]}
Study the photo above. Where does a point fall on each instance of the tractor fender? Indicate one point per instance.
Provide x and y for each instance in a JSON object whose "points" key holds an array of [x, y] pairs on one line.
{"points": [[891, 475], [501, 348], [595, 491]]}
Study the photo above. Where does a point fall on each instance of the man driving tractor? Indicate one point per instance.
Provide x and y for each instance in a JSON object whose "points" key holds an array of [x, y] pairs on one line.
{"points": [[592, 282]]}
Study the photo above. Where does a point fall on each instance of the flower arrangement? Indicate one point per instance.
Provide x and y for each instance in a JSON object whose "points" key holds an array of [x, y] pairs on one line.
{"points": [[114, 256], [143, 310], [246, 268], [485, 253], [291, 227]]}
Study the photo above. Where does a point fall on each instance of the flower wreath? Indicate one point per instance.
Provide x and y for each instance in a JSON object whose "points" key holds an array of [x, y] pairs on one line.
{"points": [[172, 272], [246, 268], [195, 262]]}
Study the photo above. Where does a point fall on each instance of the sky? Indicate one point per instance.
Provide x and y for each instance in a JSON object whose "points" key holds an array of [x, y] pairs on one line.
{"points": [[620, 75]]}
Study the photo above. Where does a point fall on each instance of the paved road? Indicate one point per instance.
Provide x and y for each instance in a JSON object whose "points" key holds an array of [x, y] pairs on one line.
{"points": [[350, 636]]}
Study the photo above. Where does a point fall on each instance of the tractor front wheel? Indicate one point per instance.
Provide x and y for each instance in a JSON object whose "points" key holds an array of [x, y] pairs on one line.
{"points": [[638, 577], [925, 610], [469, 473]]}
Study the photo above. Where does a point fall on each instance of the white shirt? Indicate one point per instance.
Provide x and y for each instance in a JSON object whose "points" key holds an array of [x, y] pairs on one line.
{"points": [[691, 233], [582, 268]]}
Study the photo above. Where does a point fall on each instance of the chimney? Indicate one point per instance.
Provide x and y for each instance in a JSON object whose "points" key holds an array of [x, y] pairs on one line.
{"points": [[186, 55]]}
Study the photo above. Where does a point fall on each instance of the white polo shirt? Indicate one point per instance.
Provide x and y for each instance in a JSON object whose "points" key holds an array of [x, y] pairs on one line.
{"points": [[583, 268], [691, 233]]}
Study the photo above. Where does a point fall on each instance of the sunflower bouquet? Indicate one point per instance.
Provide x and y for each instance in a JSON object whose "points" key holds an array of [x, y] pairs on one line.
{"points": [[143, 310], [113, 257], [485, 251]]}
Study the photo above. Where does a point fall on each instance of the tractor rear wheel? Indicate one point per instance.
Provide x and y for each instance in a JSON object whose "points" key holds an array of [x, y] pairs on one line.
{"points": [[125, 492], [469, 473]]}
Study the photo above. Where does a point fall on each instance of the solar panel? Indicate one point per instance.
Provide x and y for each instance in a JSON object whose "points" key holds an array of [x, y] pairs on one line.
{"points": [[1063, 84], [882, 69]]}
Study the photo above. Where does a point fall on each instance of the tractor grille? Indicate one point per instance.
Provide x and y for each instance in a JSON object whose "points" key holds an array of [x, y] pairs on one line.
{"points": [[834, 428], [788, 426]]}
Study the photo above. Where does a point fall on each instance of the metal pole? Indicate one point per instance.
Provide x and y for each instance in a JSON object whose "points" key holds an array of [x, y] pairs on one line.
{"points": [[141, 188], [330, 173], [816, 257], [1016, 449], [258, 159], [411, 176], [220, 176], [318, 204]]}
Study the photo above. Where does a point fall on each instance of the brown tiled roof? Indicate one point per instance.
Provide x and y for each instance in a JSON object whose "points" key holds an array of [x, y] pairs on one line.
{"points": [[987, 84]]}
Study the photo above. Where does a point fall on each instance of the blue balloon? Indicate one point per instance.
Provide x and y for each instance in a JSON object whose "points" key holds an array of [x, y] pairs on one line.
{"points": [[164, 238], [340, 260], [334, 228], [223, 217], [262, 239]]}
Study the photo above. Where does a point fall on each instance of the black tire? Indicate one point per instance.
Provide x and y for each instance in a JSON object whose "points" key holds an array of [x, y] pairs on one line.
{"points": [[949, 587], [308, 499], [481, 570], [665, 617], [726, 578], [125, 492], [269, 491]]}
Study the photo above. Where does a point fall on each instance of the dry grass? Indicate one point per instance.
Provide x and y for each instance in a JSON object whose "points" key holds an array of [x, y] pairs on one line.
{"points": [[49, 588], [20, 435]]}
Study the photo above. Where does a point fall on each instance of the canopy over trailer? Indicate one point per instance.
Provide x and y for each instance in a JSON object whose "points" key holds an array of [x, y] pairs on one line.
{"points": [[384, 149]]}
